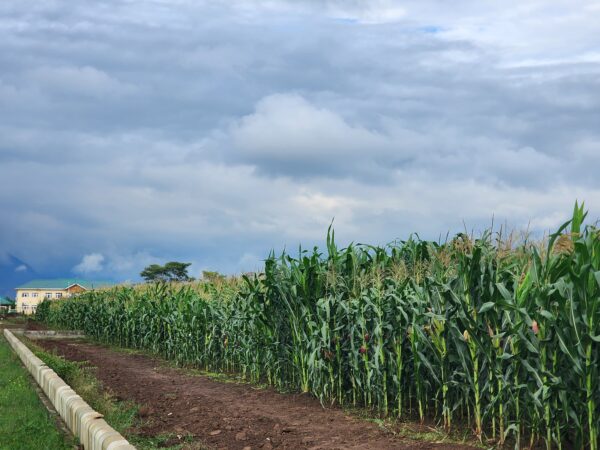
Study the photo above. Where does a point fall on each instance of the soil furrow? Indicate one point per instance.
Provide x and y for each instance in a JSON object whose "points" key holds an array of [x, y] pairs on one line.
{"points": [[227, 415]]}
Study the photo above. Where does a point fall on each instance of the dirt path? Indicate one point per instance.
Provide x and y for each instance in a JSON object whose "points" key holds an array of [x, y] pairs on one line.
{"points": [[228, 415]]}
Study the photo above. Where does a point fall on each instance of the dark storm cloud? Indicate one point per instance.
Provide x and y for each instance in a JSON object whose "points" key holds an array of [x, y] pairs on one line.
{"points": [[134, 132]]}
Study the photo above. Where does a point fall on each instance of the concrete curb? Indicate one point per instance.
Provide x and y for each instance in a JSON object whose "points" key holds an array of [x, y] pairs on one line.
{"points": [[85, 423], [48, 334]]}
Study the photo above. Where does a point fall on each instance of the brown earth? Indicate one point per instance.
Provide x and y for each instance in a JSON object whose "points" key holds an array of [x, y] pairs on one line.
{"points": [[34, 325], [228, 415], [30, 324], [18, 322]]}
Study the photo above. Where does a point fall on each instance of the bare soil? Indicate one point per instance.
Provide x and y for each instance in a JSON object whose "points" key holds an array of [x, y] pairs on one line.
{"points": [[34, 325], [225, 415]]}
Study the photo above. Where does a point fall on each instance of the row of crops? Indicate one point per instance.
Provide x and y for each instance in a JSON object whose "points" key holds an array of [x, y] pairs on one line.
{"points": [[500, 337]]}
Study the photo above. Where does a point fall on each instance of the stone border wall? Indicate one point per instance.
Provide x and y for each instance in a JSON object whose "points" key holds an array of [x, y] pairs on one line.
{"points": [[48, 334], [85, 423]]}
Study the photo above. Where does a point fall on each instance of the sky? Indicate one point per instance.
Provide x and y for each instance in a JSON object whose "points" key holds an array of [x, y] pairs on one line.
{"points": [[137, 132]]}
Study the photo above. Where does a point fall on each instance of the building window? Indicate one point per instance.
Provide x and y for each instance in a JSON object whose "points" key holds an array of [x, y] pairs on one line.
{"points": [[48, 295], [34, 294], [58, 295], [25, 294], [25, 307]]}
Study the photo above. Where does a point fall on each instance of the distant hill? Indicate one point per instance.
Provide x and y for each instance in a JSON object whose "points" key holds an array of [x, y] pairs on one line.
{"points": [[13, 272]]}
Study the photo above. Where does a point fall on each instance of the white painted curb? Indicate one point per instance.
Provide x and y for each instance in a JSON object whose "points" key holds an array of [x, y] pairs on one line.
{"points": [[85, 423]]}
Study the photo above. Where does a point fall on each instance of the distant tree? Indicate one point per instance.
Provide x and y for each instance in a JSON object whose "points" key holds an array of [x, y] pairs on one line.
{"points": [[171, 271], [212, 277], [177, 271], [154, 272]]}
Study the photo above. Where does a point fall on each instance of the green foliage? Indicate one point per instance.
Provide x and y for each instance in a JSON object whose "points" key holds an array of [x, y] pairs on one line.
{"points": [[212, 277], [503, 338], [171, 271], [24, 422], [42, 311]]}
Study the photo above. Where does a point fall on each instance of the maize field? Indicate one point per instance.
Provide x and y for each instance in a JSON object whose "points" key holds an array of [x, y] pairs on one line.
{"points": [[499, 337]]}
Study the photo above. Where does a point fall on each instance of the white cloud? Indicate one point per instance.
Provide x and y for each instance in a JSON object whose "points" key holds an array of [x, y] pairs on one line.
{"points": [[21, 268], [250, 262], [287, 125], [82, 80], [90, 263], [258, 126], [131, 263], [371, 12], [288, 134]]}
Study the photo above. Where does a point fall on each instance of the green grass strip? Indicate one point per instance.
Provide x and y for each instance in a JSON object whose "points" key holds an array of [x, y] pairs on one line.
{"points": [[25, 423]]}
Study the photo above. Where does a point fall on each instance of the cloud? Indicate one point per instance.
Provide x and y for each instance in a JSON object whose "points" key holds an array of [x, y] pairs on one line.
{"points": [[21, 268], [85, 80], [287, 134], [89, 264], [373, 12], [213, 132]]}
